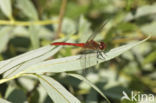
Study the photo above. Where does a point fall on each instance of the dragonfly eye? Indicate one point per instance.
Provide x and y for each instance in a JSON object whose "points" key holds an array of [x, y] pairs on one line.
{"points": [[101, 46]]}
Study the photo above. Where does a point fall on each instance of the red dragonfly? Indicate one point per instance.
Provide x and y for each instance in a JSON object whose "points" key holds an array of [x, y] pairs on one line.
{"points": [[90, 44]]}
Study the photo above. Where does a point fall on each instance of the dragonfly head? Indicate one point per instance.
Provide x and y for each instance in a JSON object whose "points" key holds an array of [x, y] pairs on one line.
{"points": [[102, 46]]}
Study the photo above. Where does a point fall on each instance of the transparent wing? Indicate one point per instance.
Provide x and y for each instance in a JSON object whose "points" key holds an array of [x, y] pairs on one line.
{"points": [[93, 35]]}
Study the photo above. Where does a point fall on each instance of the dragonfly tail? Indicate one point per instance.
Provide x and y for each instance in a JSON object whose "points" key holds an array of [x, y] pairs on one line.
{"points": [[71, 44]]}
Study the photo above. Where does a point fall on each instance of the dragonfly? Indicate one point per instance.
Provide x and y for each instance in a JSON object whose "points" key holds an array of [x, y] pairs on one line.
{"points": [[90, 44]]}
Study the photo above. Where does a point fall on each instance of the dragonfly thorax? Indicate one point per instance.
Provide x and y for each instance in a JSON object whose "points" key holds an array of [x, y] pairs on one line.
{"points": [[102, 45], [94, 45]]}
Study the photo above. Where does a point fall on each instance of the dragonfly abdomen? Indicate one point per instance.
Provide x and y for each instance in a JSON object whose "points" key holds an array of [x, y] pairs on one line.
{"points": [[72, 44]]}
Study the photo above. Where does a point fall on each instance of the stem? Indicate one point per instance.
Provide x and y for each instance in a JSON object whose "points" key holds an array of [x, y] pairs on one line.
{"points": [[27, 23], [61, 15]]}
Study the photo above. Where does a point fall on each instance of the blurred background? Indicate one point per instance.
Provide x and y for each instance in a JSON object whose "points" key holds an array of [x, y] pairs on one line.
{"points": [[29, 24]]}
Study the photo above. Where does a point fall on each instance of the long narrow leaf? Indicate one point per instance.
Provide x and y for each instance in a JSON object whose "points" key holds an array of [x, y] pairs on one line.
{"points": [[17, 64], [4, 37], [74, 63], [4, 101], [6, 65], [56, 91], [22, 66], [27, 7], [6, 7], [89, 83], [34, 35]]}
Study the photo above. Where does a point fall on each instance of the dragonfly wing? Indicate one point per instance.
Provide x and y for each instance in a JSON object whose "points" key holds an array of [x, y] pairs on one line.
{"points": [[93, 35], [86, 61]]}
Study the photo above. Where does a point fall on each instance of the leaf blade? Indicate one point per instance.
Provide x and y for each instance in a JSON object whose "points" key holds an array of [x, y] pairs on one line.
{"points": [[56, 91], [74, 63], [6, 7], [90, 84], [27, 7], [4, 37]]}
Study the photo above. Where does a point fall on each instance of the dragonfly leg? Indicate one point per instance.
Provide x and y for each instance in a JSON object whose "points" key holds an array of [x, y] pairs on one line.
{"points": [[100, 55], [97, 56]]}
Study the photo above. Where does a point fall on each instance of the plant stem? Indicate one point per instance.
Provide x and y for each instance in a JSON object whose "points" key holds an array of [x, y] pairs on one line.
{"points": [[61, 15]]}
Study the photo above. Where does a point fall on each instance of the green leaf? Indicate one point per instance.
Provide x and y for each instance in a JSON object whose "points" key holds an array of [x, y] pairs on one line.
{"points": [[142, 11], [74, 63], [34, 35], [92, 97], [20, 31], [4, 101], [42, 54], [68, 26], [17, 93], [149, 28], [15, 65], [56, 91], [11, 71], [4, 37], [27, 7], [6, 7], [73, 10], [89, 83], [84, 26], [150, 58]]}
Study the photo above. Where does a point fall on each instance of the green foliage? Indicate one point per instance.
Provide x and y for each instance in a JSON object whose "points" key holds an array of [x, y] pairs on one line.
{"points": [[6, 8], [32, 70], [27, 8]]}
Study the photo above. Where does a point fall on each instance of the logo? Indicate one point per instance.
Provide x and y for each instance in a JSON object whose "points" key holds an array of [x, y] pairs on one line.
{"points": [[137, 96]]}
